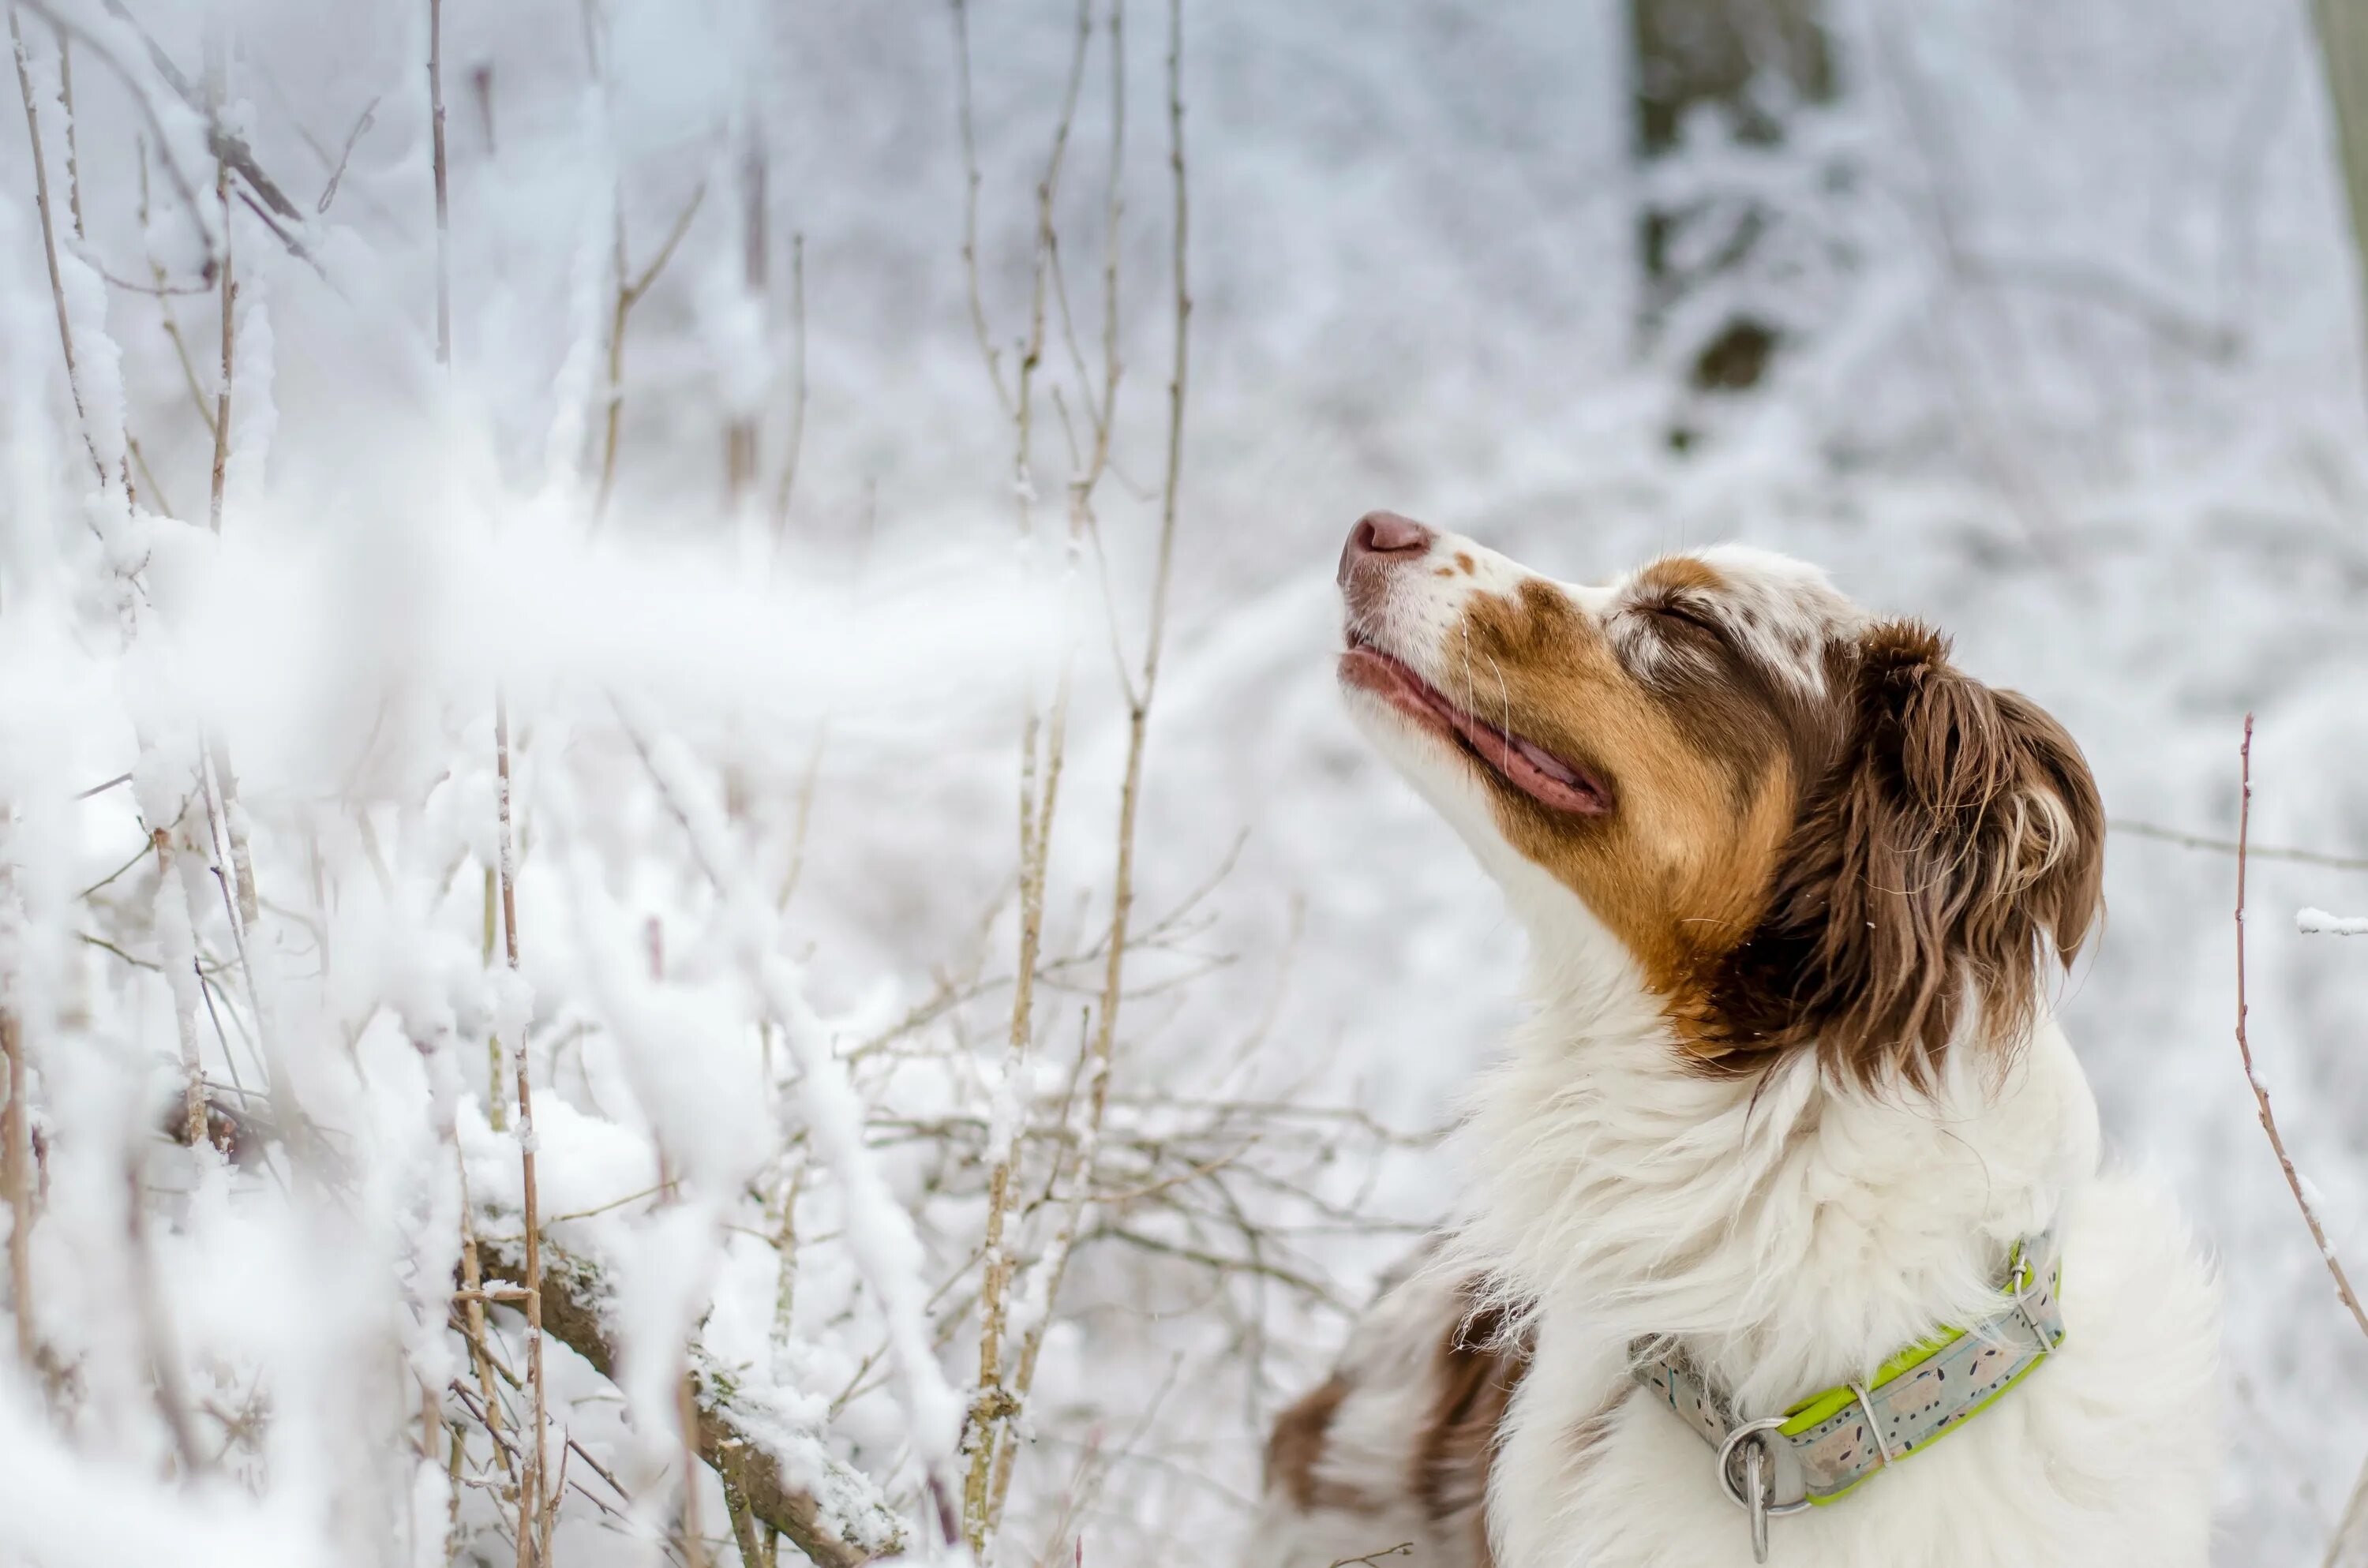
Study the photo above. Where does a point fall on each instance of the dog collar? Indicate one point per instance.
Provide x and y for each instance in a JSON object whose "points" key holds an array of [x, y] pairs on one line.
{"points": [[1824, 1446]]}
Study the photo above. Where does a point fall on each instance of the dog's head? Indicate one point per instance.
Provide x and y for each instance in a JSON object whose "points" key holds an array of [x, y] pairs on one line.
{"points": [[1805, 825]]}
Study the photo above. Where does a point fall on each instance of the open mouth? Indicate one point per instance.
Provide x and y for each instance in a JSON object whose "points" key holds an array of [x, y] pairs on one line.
{"points": [[1527, 766]]}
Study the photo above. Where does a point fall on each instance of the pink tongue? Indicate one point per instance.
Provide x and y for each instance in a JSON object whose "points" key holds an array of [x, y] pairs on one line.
{"points": [[1544, 778], [1552, 767]]}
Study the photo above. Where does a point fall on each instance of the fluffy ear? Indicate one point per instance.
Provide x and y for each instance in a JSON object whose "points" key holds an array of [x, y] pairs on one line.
{"points": [[1955, 841]]}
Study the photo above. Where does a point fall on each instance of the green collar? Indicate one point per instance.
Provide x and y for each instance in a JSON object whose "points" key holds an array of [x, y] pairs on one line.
{"points": [[1823, 1447]]}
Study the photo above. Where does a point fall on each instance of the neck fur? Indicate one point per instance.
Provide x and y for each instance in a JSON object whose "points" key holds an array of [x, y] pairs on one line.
{"points": [[1792, 1232]]}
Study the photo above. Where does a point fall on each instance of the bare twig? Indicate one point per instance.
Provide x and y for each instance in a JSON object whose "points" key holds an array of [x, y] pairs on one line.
{"points": [[472, 1298], [16, 1167], [1140, 693], [225, 145], [50, 238], [217, 87], [156, 1328], [497, 1097], [74, 148], [345, 156], [443, 202], [796, 443], [2229, 846], [165, 308], [532, 1509], [1043, 744], [969, 204], [67, 27], [740, 432], [2244, 1049], [1403, 1549], [630, 289]]}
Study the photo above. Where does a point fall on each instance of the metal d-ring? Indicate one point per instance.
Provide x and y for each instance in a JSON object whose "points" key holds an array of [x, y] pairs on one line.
{"points": [[1753, 1496]]}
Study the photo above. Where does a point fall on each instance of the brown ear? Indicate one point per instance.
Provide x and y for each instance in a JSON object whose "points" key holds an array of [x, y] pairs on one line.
{"points": [[1956, 839]]}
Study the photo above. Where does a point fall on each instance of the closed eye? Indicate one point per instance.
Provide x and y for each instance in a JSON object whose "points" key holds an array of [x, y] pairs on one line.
{"points": [[1679, 612]]}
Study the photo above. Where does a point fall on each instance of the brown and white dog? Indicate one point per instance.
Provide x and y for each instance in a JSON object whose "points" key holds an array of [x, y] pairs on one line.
{"points": [[1790, 1094]]}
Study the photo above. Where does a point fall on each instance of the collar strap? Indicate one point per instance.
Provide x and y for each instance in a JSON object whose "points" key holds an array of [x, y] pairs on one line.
{"points": [[1825, 1445]]}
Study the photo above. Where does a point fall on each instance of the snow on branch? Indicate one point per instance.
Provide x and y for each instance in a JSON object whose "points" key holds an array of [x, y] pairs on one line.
{"points": [[878, 1230], [777, 1466]]}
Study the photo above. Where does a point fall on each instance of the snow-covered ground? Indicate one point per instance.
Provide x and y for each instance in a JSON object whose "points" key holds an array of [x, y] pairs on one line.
{"points": [[2075, 373]]}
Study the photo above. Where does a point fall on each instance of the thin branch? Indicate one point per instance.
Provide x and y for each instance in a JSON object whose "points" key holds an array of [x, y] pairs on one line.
{"points": [[164, 307], [797, 436], [217, 87], [2229, 846], [629, 294], [443, 215], [15, 1174], [740, 430], [1140, 695], [50, 238], [2244, 1049], [1043, 744], [73, 147], [345, 156], [225, 144], [65, 27], [970, 203], [531, 1505]]}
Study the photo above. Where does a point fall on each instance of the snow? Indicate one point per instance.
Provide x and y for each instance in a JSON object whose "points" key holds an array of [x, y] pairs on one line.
{"points": [[2312, 921], [2075, 372]]}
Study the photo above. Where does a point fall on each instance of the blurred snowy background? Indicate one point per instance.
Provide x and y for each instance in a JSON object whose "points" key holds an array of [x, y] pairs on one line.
{"points": [[2036, 317]]}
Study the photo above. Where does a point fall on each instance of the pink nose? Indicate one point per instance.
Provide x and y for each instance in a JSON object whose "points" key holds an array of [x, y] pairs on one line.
{"points": [[1387, 535]]}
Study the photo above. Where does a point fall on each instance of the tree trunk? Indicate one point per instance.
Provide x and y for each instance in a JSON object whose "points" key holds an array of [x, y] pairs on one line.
{"points": [[2343, 45], [1749, 61]]}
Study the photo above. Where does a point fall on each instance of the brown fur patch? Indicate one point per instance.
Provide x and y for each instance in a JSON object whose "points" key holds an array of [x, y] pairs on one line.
{"points": [[1856, 868], [1296, 1444], [1463, 559], [1672, 573], [1699, 763], [1959, 834], [1473, 1383]]}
